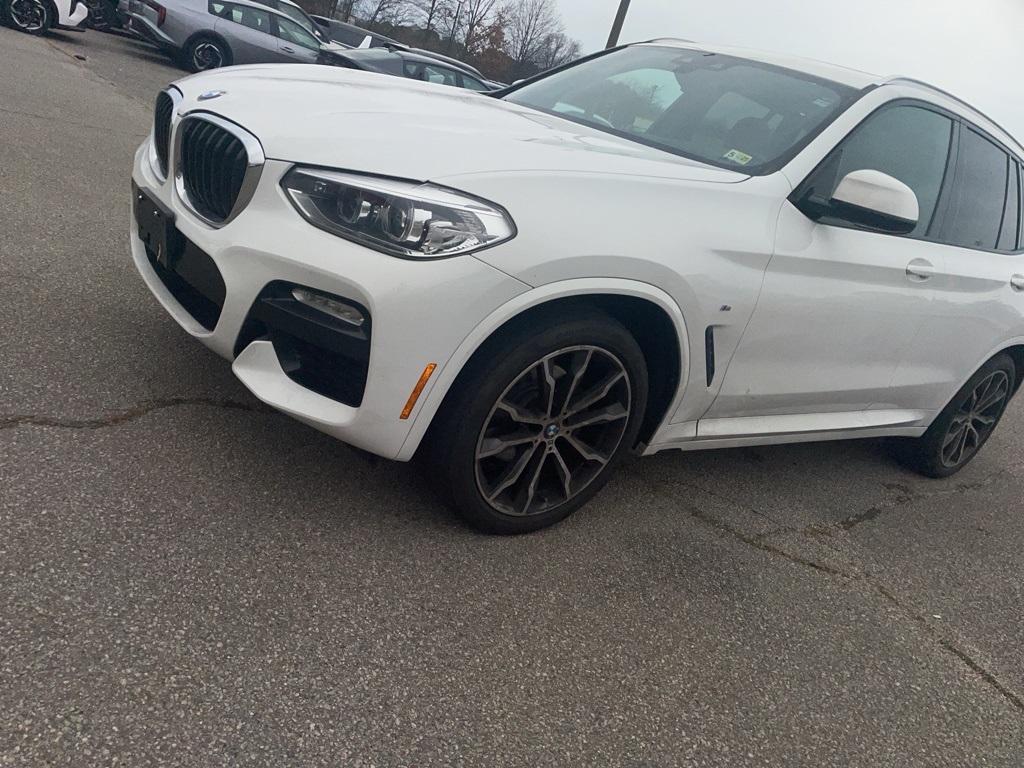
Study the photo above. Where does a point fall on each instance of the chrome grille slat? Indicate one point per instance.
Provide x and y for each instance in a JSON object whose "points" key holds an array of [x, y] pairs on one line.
{"points": [[214, 163]]}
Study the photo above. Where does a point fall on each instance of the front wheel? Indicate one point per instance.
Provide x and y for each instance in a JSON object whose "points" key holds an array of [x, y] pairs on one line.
{"points": [[538, 422], [34, 17], [965, 424]]}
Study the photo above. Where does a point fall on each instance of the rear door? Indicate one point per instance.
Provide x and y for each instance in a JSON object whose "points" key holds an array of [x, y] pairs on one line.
{"points": [[248, 32], [980, 291]]}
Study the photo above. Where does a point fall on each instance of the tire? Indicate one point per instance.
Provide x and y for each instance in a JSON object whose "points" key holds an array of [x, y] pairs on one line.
{"points": [[965, 424], [33, 17], [494, 427], [206, 52]]}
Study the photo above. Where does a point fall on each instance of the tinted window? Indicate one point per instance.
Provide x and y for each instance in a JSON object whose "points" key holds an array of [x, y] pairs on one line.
{"points": [[440, 75], [1020, 175], [978, 195], [727, 111], [1011, 218], [906, 142], [473, 84], [291, 32], [253, 18]]}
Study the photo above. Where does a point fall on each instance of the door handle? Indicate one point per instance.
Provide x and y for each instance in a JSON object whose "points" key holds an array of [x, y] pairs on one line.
{"points": [[920, 270], [286, 48], [1017, 283]]}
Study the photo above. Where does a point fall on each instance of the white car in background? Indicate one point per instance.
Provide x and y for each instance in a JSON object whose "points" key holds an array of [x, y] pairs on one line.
{"points": [[664, 246], [36, 17]]}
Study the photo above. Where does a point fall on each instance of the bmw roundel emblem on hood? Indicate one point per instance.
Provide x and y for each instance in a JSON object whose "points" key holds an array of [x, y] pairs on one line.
{"points": [[211, 95]]}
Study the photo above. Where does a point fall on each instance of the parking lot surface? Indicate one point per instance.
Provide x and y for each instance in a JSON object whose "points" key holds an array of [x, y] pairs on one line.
{"points": [[188, 578]]}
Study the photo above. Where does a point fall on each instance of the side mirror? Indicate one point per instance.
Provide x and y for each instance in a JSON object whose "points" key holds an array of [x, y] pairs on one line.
{"points": [[875, 200]]}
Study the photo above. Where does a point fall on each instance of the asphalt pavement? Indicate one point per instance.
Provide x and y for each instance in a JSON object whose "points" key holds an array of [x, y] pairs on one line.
{"points": [[188, 578]]}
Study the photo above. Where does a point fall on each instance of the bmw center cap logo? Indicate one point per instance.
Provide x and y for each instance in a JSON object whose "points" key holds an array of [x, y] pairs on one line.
{"points": [[211, 95]]}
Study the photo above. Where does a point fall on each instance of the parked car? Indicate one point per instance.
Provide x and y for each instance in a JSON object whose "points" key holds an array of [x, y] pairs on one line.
{"points": [[36, 17], [664, 246], [350, 35], [207, 34], [403, 62]]}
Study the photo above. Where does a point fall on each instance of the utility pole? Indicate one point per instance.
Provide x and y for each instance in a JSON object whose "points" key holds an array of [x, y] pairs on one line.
{"points": [[620, 18]]}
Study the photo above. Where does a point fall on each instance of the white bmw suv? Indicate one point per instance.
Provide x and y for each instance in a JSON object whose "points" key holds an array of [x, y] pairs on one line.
{"points": [[663, 246]]}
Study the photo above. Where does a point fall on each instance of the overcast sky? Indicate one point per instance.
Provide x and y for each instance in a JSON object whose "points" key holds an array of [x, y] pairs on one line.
{"points": [[974, 48]]}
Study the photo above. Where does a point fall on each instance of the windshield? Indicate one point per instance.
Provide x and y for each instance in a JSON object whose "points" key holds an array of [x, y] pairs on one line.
{"points": [[725, 111]]}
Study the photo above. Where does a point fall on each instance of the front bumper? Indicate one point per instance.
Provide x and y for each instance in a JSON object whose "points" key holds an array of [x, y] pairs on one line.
{"points": [[421, 311], [142, 28]]}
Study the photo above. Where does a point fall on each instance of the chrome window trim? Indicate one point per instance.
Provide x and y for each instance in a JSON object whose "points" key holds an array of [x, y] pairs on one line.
{"points": [[154, 160], [255, 159]]}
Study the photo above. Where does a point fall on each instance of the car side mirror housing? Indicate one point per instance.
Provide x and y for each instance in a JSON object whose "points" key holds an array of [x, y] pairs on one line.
{"points": [[875, 200]]}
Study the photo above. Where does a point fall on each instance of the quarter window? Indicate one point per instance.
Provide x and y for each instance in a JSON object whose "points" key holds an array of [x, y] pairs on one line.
{"points": [[978, 195], [906, 142], [1011, 217]]}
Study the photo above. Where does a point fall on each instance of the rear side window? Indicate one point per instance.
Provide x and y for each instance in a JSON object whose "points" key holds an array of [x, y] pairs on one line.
{"points": [[978, 195], [1011, 217], [906, 142], [253, 18]]}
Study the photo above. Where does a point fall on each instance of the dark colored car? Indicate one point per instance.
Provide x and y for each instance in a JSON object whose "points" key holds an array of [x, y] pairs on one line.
{"points": [[351, 35], [404, 62]]}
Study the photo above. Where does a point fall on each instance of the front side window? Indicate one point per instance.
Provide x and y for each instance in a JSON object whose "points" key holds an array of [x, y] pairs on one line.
{"points": [[978, 194], [723, 110], [291, 32], [909, 143], [473, 84]]}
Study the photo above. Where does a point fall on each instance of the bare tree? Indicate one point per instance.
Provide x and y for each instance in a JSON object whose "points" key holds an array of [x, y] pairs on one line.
{"points": [[476, 14], [555, 50], [384, 11], [529, 23], [434, 13]]}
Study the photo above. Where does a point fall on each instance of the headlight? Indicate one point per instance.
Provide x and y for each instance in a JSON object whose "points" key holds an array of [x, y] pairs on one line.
{"points": [[402, 218]]}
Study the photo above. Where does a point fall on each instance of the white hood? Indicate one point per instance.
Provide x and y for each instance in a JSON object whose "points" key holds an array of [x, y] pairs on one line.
{"points": [[341, 118]]}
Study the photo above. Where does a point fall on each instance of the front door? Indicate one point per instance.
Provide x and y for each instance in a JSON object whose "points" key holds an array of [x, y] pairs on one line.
{"points": [[841, 306]]}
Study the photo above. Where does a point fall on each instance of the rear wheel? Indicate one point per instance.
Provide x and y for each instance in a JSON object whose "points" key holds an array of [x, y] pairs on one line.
{"points": [[205, 53], [34, 17], [532, 434], [965, 424]]}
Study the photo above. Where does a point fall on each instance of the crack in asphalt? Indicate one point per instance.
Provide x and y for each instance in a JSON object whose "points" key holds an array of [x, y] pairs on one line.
{"points": [[760, 542], [117, 418]]}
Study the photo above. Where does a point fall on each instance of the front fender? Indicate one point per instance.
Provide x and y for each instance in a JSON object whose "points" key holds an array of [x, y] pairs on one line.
{"points": [[447, 375]]}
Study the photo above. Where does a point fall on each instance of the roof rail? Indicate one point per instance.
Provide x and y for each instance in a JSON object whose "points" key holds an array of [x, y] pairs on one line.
{"points": [[914, 81]]}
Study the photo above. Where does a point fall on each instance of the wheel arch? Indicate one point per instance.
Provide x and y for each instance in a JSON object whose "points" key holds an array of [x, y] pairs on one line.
{"points": [[1016, 353], [653, 317]]}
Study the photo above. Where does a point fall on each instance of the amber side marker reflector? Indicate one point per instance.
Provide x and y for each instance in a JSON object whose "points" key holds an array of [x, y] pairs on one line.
{"points": [[417, 390]]}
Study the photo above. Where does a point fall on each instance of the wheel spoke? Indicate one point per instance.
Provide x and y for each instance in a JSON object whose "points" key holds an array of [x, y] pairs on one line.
{"points": [[958, 426], [584, 450], [596, 393], [993, 396], [612, 412], [985, 421], [520, 415], [564, 473], [512, 474], [531, 488], [549, 379], [492, 446], [577, 375]]}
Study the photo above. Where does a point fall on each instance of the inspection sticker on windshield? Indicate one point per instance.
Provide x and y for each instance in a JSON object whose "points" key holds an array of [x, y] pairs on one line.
{"points": [[738, 157]]}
